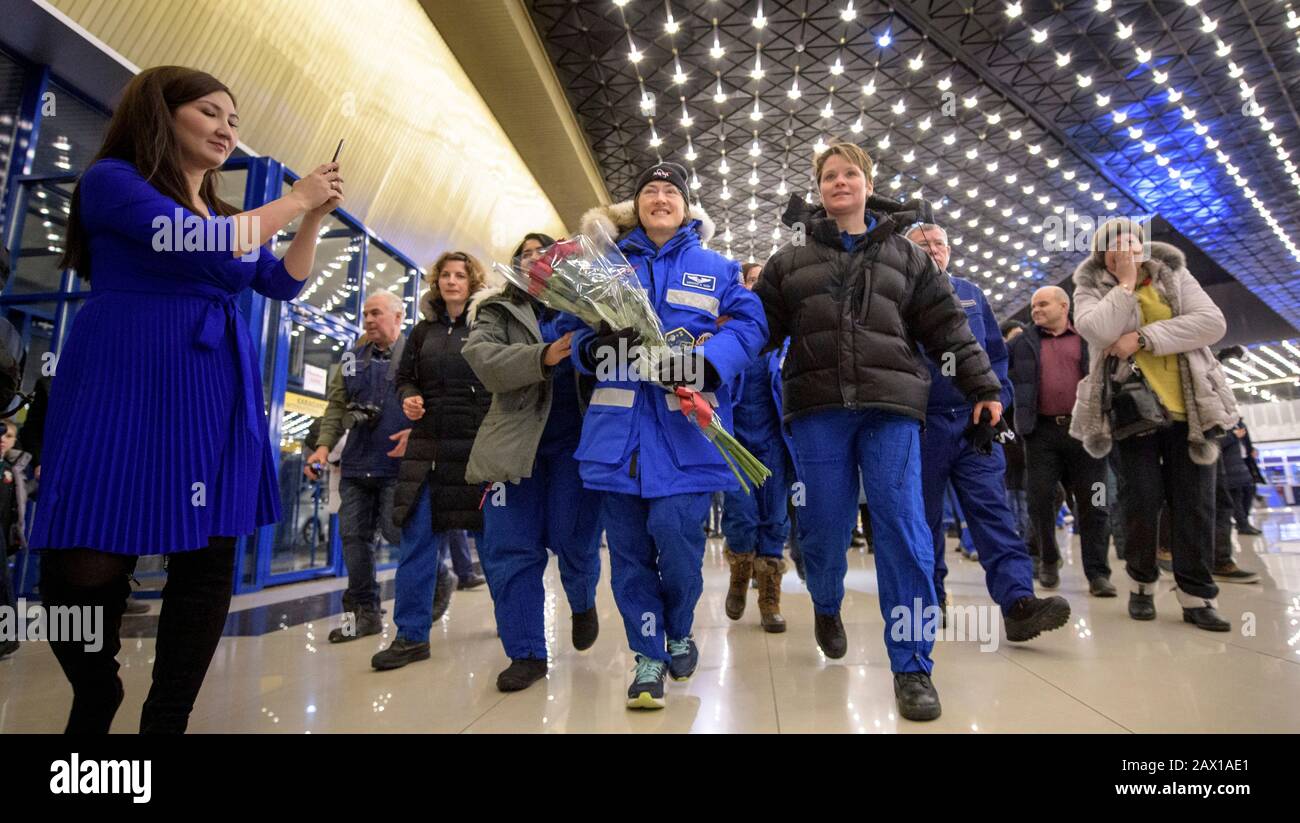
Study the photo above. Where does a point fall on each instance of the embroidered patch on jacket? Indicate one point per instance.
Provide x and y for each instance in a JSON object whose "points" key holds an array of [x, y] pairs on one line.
{"points": [[680, 339], [969, 304], [704, 282]]}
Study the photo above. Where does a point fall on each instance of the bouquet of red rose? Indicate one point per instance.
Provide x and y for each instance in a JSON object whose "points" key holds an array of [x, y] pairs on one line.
{"points": [[593, 281]]}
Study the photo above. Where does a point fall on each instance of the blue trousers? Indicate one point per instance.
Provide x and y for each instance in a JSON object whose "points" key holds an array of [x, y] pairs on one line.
{"points": [[551, 510], [759, 521], [834, 448], [418, 569], [656, 561], [458, 551], [980, 484], [952, 513], [1018, 502]]}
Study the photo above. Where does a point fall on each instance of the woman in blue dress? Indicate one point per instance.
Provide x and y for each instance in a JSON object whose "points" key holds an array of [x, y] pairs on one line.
{"points": [[156, 435]]}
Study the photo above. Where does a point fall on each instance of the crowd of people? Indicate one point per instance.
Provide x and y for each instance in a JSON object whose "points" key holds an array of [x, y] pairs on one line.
{"points": [[878, 388]]}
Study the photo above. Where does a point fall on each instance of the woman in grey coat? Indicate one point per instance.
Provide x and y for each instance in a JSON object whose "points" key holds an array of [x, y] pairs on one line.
{"points": [[524, 450], [1148, 310]]}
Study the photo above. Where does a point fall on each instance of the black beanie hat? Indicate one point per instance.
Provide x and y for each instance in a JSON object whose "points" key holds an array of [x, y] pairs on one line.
{"points": [[674, 173]]}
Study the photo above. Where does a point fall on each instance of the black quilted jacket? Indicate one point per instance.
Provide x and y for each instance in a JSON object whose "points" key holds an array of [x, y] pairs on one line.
{"points": [[855, 318]]}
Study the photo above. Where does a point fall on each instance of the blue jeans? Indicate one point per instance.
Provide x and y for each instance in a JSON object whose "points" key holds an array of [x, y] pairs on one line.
{"points": [[458, 548], [656, 560], [418, 571], [833, 447], [366, 508], [550, 510], [759, 521]]}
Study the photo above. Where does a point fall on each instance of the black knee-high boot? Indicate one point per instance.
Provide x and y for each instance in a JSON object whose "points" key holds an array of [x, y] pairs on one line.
{"points": [[195, 602], [77, 578]]}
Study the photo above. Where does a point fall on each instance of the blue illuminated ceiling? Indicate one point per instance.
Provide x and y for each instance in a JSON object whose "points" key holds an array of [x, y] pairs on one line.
{"points": [[1005, 115]]}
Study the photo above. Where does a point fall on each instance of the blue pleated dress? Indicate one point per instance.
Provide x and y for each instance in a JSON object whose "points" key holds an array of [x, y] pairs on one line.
{"points": [[156, 435]]}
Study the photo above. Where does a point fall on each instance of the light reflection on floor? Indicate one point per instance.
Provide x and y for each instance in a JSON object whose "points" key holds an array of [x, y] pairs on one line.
{"points": [[1101, 673]]}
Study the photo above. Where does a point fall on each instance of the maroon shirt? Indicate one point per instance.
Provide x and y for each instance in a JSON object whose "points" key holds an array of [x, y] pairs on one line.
{"points": [[1060, 368]]}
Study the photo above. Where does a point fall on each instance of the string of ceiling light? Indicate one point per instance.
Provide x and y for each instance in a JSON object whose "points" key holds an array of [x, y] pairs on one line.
{"points": [[1120, 116]]}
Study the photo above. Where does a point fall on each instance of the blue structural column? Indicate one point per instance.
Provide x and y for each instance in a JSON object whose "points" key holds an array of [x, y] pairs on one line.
{"points": [[264, 184], [36, 82]]}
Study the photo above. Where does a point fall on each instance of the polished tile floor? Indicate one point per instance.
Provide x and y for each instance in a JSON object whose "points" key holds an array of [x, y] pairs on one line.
{"points": [[1101, 673]]}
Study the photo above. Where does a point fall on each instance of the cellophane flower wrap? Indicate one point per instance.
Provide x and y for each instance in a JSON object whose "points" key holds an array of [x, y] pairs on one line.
{"points": [[592, 280]]}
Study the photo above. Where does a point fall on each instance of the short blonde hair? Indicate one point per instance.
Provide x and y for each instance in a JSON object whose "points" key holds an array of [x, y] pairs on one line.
{"points": [[851, 152]]}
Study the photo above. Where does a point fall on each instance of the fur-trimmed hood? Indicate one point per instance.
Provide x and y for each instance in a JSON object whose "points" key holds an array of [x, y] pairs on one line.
{"points": [[480, 297], [617, 219], [1092, 273], [1196, 324]]}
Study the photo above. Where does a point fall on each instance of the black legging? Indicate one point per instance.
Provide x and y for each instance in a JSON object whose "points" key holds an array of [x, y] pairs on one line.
{"points": [[196, 600]]}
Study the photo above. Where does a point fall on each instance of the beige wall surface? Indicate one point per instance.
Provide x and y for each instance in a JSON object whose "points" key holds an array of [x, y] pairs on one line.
{"points": [[426, 164]]}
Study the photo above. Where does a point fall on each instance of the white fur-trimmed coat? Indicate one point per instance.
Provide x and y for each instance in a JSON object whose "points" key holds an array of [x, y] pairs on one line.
{"points": [[1103, 313], [619, 218]]}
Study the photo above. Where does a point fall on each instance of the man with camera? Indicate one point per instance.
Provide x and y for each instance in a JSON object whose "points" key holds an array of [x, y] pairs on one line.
{"points": [[363, 403]]}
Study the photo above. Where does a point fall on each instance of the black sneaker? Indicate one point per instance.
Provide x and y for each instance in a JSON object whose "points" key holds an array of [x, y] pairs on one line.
{"points": [[1031, 616], [859, 539], [357, 624], [916, 696], [685, 657], [521, 674], [829, 630], [7, 647], [399, 653], [134, 606], [586, 626], [1249, 529], [442, 591], [647, 689], [470, 581]]}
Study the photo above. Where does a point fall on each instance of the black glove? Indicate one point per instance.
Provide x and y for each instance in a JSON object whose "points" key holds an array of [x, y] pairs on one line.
{"points": [[607, 340], [981, 435], [675, 369]]}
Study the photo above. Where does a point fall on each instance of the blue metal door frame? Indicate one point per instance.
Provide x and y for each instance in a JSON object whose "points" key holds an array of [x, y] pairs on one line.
{"points": [[270, 321]]}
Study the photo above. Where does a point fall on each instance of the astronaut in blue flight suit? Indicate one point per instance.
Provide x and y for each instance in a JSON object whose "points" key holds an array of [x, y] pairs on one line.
{"points": [[756, 525], [947, 456], [654, 467]]}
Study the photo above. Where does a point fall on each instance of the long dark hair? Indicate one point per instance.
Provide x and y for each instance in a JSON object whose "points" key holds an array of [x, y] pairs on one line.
{"points": [[511, 291], [140, 133]]}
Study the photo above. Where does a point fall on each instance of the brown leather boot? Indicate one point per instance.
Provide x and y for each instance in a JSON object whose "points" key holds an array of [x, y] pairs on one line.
{"points": [[742, 568], [769, 571]]}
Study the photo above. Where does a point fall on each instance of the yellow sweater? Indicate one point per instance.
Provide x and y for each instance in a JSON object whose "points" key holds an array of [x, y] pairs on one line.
{"points": [[1161, 372]]}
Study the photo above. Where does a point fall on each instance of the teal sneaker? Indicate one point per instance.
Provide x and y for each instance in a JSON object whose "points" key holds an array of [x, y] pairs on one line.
{"points": [[647, 689], [685, 657]]}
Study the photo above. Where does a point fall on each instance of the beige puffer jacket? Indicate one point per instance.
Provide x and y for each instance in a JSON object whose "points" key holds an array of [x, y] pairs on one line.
{"points": [[1103, 313]]}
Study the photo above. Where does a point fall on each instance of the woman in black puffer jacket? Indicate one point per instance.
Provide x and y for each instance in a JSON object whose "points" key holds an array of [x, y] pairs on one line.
{"points": [[856, 298], [446, 401]]}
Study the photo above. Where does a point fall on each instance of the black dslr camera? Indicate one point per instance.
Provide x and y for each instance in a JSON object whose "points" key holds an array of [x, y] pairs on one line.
{"points": [[363, 414]]}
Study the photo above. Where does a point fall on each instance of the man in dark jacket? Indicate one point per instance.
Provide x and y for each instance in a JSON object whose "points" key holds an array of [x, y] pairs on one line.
{"points": [[855, 298], [363, 404], [1047, 363], [948, 456], [1237, 465]]}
